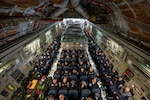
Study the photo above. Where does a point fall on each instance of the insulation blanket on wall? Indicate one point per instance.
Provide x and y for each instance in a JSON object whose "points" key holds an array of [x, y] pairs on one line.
{"points": [[22, 28]]}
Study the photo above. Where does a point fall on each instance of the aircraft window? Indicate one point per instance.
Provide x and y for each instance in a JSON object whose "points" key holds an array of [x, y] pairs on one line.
{"points": [[4, 93], [20, 78], [10, 87]]}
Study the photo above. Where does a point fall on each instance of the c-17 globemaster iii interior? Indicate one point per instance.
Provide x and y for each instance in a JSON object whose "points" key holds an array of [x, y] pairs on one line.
{"points": [[75, 50]]}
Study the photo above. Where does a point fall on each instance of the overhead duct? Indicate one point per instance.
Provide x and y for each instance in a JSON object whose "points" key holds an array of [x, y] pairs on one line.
{"points": [[82, 12], [79, 8], [63, 5], [59, 12], [75, 3]]}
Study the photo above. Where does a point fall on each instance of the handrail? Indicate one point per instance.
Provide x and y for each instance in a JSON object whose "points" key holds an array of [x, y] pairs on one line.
{"points": [[6, 31], [140, 24], [20, 42], [126, 43], [3, 48]]}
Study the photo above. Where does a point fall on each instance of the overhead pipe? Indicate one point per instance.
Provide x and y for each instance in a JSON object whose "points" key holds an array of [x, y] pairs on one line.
{"points": [[62, 9], [38, 10], [63, 5], [82, 12], [59, 12], [79, 8], [75, 4]]}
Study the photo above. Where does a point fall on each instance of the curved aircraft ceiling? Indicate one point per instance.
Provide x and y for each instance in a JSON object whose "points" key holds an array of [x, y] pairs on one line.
{"points": [[129, 15]]}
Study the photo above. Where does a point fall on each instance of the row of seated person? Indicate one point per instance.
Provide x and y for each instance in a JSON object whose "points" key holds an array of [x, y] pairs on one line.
{"points": [[75, 61], [109, 76], [75, 81], [68, 57], [66, 71], [43, 65]]}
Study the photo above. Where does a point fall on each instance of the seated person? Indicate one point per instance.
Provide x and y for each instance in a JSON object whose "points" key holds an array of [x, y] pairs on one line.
{"points": [[88, 64], [112, 89], [114, 74], [51, 97], [57, 72], [65, 73], [59, 64], [73, 53], [125, 93], [73, 85], [54, 85], [62, 59], [62, 65], [74, 72], [64, 84], [97, 96], [94, 83], [68, 59], [66, 63], [84, 59], [73, 58], [120, 82], [107, 78], [91, 71], [83, 85], [73, 64], [80, 56], [80, 64], [82, 71], [62, 97]]}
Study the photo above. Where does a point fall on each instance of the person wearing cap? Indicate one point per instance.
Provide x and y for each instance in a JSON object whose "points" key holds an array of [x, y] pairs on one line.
{"points": [[54, 85], [80, 64], [64, 84], [68, 59], [91, 71], [114, 74], [73, 58], [58, 72], [74, 72], [65, 72], [88, 64]]}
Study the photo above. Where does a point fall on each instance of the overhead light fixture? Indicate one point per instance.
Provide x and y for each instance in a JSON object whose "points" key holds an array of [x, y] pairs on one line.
{"points": [[67, 45], [147, 65], [1, 62]]}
